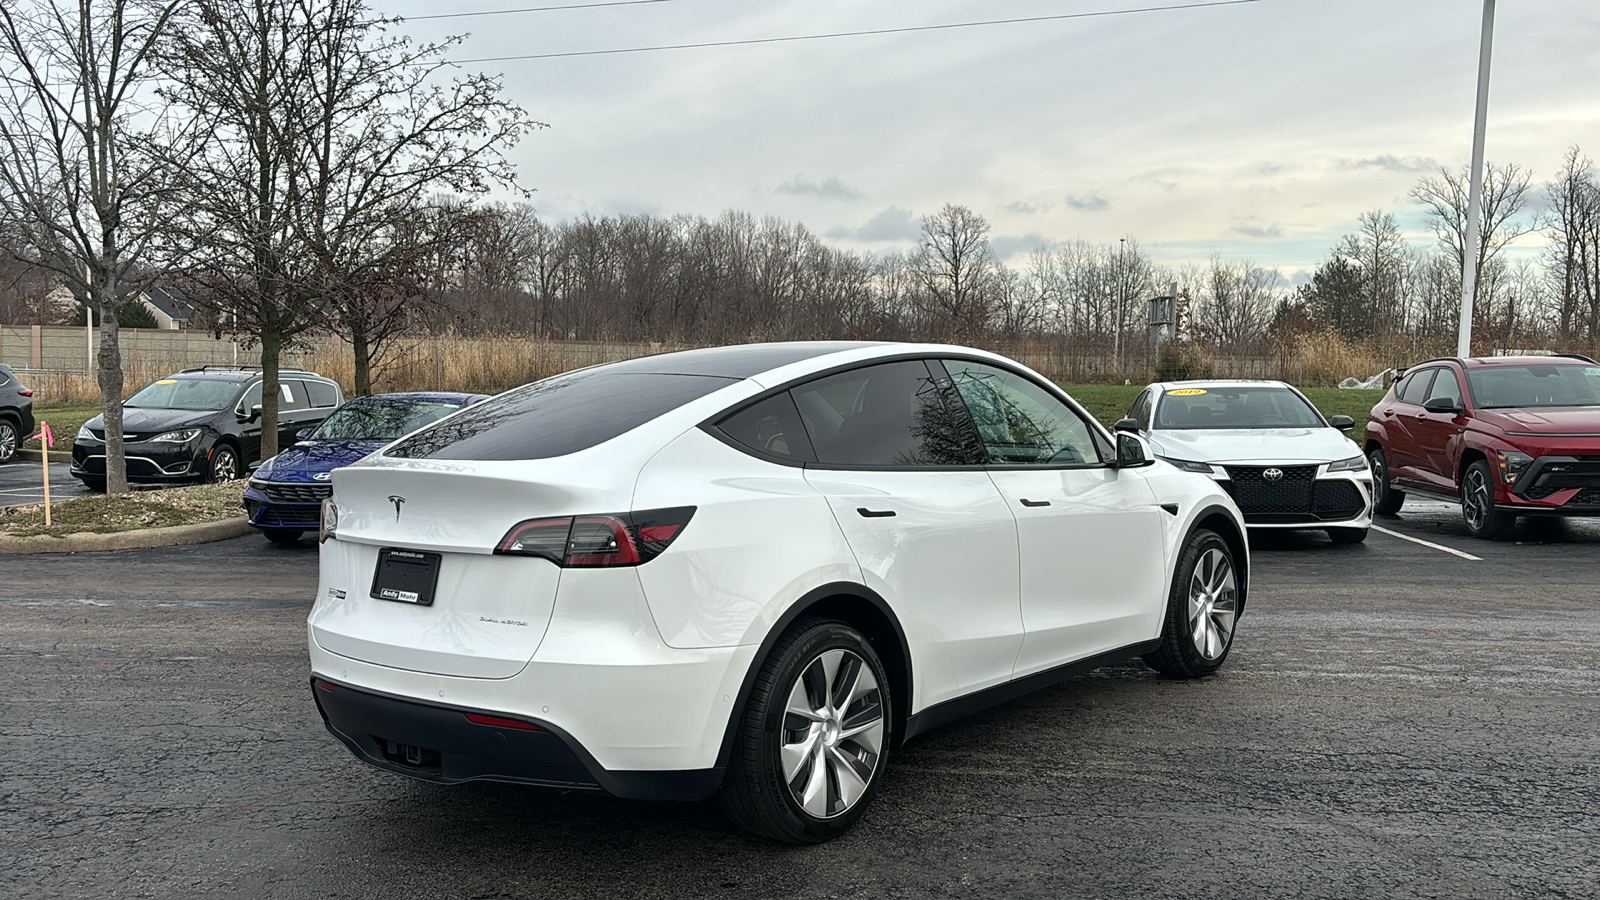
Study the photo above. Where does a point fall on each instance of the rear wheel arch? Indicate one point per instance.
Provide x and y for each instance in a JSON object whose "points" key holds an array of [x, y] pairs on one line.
{"points": [[862, 609]]}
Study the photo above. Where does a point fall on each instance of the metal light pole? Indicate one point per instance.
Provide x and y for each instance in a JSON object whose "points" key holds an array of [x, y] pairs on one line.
{"points": [[1469, 257]]}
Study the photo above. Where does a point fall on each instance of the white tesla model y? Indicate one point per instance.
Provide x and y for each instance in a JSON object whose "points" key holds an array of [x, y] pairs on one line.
{"points": [[752, 572]]}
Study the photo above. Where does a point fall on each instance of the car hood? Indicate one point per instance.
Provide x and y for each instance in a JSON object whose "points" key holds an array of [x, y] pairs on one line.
{"points": [[1554, 421], [303, 461], [1264, 445], [145, 422]]}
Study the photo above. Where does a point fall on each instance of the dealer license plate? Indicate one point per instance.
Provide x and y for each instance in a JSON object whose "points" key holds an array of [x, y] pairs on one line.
{"points": [[406, 576]]}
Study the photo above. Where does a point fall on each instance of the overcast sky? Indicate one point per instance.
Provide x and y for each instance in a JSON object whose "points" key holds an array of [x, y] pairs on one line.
{"points": [[1259, 130]]}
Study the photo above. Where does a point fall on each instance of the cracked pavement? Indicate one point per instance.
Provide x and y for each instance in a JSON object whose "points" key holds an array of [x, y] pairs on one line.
{"points": [[1394, 722]]}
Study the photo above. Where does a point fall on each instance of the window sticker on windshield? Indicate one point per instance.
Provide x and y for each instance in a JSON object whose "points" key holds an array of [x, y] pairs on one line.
{"points": [[1185, 392], [168, 381]]}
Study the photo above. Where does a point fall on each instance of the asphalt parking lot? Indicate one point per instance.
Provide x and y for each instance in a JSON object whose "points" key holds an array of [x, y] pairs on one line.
{"points": [[22, 481], [1396, 720]]}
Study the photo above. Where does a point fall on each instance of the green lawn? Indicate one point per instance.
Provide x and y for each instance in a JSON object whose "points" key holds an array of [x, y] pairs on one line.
{"points": [[64, 423], [1110, 402]]}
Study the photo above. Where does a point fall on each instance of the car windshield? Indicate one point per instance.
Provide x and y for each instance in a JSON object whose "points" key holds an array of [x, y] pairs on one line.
{"points": [[1552, 384], [185, 393], [1235, 407], [381, 418]]}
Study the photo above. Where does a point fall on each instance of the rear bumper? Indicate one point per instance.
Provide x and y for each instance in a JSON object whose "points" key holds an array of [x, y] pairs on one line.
{"points": [[440, 744]]}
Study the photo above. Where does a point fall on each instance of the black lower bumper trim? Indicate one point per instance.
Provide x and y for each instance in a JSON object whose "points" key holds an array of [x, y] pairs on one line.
{"points": [[438, 743]]}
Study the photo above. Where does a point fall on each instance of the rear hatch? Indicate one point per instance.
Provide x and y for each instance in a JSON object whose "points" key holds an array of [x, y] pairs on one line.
{"points": [[411, 581]]}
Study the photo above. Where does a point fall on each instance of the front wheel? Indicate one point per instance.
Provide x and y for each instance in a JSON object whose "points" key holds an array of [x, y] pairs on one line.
{"points": [[1478, 511], [1386, 501], [1201, 611], [223, 464], [813, 738]]}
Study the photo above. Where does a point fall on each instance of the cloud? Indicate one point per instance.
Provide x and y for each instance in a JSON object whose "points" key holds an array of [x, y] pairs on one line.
{"points": [[893, 224], [1006, 246], [1255, 227], [1026, 208], [1090, 202], [827, 189], [1389, 162]]}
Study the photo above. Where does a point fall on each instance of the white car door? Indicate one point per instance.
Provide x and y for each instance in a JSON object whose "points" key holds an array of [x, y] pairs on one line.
{"points": [[930, 532], [1090, 537]]}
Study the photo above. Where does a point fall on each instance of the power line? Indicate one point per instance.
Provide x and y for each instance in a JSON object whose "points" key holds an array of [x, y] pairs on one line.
{"points": [[529, 9], [845, 34]]}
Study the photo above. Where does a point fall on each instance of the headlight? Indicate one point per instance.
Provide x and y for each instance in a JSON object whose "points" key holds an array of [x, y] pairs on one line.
{"points": [[330, 521], [177, 437], [1512, 464], [1189, 465], [84, 434], [1353, 464]]}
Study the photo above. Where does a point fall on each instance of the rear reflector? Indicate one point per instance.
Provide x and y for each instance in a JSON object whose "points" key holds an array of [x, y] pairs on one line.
{"points": [[325, 685], [498, 722]]}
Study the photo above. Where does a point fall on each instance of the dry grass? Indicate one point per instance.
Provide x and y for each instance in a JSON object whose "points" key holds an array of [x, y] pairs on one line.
{"points": [[102, 514]]}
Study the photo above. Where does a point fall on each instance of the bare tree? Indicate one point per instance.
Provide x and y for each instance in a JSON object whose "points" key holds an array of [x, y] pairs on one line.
{"points": [[78, 180], [1237, 302], [955, 270], [1574, 232], [1380, 254], [1444, 196]]}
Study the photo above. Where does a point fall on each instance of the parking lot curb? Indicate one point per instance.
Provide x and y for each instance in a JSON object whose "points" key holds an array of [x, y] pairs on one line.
{"points": [[87, 542], [56, 456]]}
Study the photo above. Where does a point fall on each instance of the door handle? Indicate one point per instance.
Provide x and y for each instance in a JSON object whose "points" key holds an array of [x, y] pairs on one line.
{"points": [[1035, 503], [874, 513], [1170, 507]]}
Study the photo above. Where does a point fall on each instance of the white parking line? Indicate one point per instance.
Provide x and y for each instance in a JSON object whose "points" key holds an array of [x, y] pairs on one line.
{"points": [[1415, 540]]}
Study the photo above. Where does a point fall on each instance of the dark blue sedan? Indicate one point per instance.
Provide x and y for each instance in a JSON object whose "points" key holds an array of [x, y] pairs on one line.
{"points": [[284, 498]]}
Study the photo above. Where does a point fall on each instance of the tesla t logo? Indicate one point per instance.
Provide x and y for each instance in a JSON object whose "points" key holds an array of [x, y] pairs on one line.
{"points": [[398, 501], [1270, 475]]}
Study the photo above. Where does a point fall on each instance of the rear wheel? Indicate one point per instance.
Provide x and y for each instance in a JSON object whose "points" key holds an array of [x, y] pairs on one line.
{"points": [[814, 735], [1201, 611], [1347, 535], [1478, 511], [10, 440], [1386, 501], [283, 535]]}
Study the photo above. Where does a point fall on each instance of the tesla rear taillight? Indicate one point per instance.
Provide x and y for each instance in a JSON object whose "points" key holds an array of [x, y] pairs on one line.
{"points": [[500, 722], [587, 542]]}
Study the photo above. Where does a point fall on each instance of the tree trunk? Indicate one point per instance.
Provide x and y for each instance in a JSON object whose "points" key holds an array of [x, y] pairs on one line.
{"points": [[362, 348], [271, 352], [109, 375]]}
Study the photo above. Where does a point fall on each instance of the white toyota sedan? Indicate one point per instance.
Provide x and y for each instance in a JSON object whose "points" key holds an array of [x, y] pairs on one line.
{"points": [[1268, 446], [750, 571]]}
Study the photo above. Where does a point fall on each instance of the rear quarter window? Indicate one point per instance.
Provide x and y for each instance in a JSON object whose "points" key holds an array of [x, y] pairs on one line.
{"points": [[557, 416]]}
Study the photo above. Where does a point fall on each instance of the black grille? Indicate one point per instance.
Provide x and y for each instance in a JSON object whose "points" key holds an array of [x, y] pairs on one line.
{"points": [[281, 517], [1586, 497], [1335, 500], [296, 493], [1289, 494]]}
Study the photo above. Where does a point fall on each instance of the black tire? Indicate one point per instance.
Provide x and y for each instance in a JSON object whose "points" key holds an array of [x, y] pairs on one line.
{"points": [[1347, 535], [223, 464], [10, 439], [1184, 653], [1478, 511], [1386, 501], [756, 793], [283, 536]]}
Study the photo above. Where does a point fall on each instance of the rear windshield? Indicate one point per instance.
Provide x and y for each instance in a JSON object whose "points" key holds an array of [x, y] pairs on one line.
{"points": [[1231, 407], [381, 419], [185, 393], [557, 416], [1496, 387]]}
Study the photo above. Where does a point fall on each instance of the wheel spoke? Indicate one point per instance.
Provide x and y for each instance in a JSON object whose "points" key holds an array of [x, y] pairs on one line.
{"points": [[794, 756], [842, 688], [800, 703], [849, 781], [1222, 574], [813, 796]]}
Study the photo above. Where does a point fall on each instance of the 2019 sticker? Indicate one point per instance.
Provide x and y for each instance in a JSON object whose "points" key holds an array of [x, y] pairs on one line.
{"points": [[1185, 392]]}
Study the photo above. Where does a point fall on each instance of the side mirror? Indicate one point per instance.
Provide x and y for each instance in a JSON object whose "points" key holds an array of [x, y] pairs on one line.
{"points": [[1442, 405], [1129, 425], [255, 413], [302, 434], [1133, 451], [1343, 423]]}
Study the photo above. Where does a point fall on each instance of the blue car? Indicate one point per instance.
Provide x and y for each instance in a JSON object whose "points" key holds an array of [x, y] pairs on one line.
{"points": [[284, 498]]}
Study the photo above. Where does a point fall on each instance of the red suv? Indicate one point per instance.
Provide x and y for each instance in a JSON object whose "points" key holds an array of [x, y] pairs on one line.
{"points": [[1504, 437]]}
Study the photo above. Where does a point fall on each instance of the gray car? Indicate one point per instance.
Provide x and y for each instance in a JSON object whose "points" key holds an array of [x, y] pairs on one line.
{"points": [[16, 413]]}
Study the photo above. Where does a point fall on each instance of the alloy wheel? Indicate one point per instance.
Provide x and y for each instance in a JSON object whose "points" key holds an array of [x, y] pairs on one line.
{"points": [[1213, 600], [1475, 500], [833, 730], [1380, 477], [224, 465], [8, 441]]}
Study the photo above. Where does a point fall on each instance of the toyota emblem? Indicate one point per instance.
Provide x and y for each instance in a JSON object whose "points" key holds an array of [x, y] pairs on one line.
{"points": [[1273, 474]]}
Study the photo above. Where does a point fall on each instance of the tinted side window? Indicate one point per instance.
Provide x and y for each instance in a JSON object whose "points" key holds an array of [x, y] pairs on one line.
{"points": [[888, 415], [322, 394], [1446, 386], [1141, 411], [771, 428], [294, 396], [250, 400], [1020, 422], [557, 416], [1414, 389]]}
